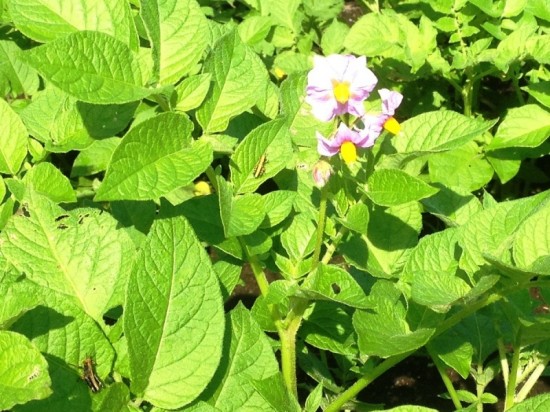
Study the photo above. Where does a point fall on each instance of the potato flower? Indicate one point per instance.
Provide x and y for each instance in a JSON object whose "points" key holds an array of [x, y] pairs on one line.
{"points": [[339, 84], [345, 141], [373, 124]]}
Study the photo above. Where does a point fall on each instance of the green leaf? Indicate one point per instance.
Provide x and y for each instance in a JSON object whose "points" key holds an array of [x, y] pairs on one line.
{"points": [[16, 78], [532, 240], [299, 239], [392, 187], [183, 38], [154, 158], [333, 37], [283, 12], [314, 399], [248, 357], [192, 91], [525, 126], [357, 218], [375, 34], [241, 215], [95, 158], [44, 21], [238, 77], [65, 124], [49, 328], [391, 235], [492, 231], [150, 16], [276, 395], [438, 131], [453, 205], [101, 69], [471, 170], [115, 397], [536, 403], [329, 327], [278, 205], [384, 331], [540, 91], [13, 140], [134, 217], [270, 140], [432, 271], [78, 254], [229, 275], [23, 369], [46, 179], [173, 289], [335, 284]]}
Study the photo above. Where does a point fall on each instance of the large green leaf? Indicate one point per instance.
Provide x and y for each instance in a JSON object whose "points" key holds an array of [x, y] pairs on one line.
{"points": [[384, 331], [66, 336], [375, 34], [46, 179], [532, 240], [173, 317], [154, 158], [248, 357], [241, 215], [438, 131], [392, 187], [64, 124], [79, 254], [492, 231], [46, 20], [101, 69], [23, 369], [526, 126], [238, 76], [431, 270], [536, 403], [13, 140]]}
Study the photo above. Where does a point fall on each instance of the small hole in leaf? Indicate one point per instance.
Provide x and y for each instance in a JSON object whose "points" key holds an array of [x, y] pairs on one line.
{"points": [[335, 288], [62, 226], [25, 210], [61, 217]]}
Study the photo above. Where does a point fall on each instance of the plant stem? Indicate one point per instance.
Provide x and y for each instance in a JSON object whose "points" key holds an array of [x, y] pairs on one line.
{"points": [[480, 388], [320, 228], [364, 381], [503, 361], [526, 388], [445, 378], [287, 335], [514, 370]]}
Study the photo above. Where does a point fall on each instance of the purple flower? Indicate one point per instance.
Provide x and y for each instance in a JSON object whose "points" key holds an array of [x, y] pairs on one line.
{"points": [[339, 84], [345, 141], [374, 124]]}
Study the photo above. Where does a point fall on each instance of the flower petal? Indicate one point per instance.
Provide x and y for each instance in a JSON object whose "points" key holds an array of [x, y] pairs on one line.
{"points": [[326, 147], [390, 101]]}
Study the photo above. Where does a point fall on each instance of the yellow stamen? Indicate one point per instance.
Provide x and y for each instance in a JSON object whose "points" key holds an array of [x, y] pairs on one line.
{"points": [[348, 151], [392, 125], [341, 91]]}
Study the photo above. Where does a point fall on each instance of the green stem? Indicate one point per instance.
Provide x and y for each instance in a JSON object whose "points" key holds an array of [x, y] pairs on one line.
{"points": [[364, 381], [161, 102], [503, 361], [526, 388], [480, 388], [512, 379], [515, 82], [445, 378], [320, 228], [288, 354], [332, 247]]}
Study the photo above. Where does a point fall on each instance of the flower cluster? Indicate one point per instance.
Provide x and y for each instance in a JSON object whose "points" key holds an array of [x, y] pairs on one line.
{"points": [[339, 85]]}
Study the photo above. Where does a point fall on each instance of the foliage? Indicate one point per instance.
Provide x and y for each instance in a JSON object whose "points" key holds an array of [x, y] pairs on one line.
{"points": [[151, 150]]}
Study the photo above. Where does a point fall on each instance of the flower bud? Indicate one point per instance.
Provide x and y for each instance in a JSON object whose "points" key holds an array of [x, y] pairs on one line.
{"points": [[321, 173]]}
